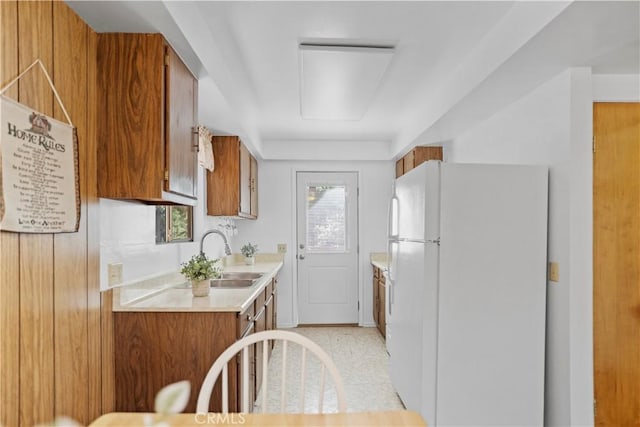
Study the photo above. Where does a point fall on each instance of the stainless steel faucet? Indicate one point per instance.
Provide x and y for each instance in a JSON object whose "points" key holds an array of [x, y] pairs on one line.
{"points": [[227, 249]]}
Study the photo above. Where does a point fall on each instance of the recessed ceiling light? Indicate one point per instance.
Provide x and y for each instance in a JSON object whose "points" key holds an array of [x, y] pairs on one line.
{"points": [[339, 82]]}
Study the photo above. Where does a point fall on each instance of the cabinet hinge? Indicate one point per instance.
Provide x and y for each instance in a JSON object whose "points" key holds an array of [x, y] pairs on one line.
{"points": [[594, 144], [166, 175], [595, 408]]}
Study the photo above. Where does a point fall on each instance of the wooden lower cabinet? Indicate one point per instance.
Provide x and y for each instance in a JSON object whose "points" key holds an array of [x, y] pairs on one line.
{"points": [[154, 349], [376, 297], [379, 300], [382, 319]]}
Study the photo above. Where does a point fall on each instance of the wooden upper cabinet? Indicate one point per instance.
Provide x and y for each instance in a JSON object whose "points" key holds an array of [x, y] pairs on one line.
{"points": [[245, 181], [399, 168], [232, 186], [148, 111], [415, 157], [181, 119], [408, 161], [254, 187], [422, 154]]}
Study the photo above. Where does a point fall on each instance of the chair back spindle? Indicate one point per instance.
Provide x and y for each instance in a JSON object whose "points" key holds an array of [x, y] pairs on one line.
{"points": [[242, 346]]}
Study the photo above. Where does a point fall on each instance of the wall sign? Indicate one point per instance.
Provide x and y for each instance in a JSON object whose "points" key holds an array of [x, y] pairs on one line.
{"points": [[39, 186]]}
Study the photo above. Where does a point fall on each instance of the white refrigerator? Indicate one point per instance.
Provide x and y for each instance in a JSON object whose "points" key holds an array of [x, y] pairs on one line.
{"points": [[467, 278]]}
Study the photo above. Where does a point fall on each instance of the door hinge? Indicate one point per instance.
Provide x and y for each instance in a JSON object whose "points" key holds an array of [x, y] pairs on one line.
{"points": [[594, 144], [166, 59], [166, 174], [358, 305], [595, 408]]}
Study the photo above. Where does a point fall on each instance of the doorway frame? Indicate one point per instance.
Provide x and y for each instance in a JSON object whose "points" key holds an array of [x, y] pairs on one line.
{"points": [[294, 237]]}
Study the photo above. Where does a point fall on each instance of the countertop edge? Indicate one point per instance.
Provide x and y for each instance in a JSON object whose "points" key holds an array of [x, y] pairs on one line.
{"points": [[247, 300], [381, 265]]}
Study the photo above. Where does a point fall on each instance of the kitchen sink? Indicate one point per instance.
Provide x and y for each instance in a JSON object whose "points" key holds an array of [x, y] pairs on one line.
{"points": [[231, 283], [241, 275]]}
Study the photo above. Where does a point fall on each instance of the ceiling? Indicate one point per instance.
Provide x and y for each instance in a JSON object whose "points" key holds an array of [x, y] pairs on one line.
{"points": [[455, 62]]}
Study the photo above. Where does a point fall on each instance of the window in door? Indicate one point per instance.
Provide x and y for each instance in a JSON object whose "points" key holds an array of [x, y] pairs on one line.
{"points": [[326, 218]]}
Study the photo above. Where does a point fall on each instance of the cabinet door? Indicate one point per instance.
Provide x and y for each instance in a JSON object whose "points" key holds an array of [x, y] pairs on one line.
{"points": [[130, 133], [254, 187], [382, 324], [408, 161], [422, 154], [261, 325], [245, 182], [180, 122], [376, 297], [223, 190], [244, 321], [400, 168]]}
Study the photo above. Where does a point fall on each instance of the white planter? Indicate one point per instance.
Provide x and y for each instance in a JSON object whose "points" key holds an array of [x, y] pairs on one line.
{"points": [[249, 260], [200, 288]]}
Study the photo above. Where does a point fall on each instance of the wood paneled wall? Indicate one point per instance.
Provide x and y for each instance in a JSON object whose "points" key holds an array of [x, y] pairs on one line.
{"points": [[56, 334]]}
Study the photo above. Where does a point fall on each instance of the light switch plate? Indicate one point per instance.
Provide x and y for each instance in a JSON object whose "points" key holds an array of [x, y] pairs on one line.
{"points": [[282, 248], [114, 271], [554, 272]]}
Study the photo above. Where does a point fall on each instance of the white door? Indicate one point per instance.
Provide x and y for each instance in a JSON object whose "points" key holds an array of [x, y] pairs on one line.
{"points": [[327, 247]]}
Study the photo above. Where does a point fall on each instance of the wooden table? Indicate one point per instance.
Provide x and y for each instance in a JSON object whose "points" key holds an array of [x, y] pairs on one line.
{"points": [[359, 419]]}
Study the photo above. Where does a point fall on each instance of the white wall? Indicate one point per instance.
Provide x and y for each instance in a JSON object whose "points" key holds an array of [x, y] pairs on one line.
{"points": [[552, 126], [616, 88], [127, 235], [276, 223]]}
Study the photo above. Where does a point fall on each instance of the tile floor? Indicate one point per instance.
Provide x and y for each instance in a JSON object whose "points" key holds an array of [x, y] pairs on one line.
{"points": [[361, 358]]}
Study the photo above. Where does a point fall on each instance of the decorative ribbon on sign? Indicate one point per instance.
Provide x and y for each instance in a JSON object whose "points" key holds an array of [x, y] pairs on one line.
{"points": [[205, 149], [39, 181]]}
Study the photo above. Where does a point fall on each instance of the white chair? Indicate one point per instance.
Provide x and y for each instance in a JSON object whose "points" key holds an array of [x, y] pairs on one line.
{"points": [[220, 365]]}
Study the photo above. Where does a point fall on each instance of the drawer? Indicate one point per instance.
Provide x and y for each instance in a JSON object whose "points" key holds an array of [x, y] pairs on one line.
{"points": [[245, 320]]}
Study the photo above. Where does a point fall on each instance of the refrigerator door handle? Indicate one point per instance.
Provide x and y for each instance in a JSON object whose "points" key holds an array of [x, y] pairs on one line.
{"points": [[390, 287], [390, 260], [394, 206]]}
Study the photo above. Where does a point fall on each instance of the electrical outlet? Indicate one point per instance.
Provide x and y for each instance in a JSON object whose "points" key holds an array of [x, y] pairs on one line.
{"points": [[114, 271], [554, 272], [282, 248]]}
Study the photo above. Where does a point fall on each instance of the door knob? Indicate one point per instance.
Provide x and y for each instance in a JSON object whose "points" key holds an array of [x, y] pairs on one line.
{"points": [[301, 256]]}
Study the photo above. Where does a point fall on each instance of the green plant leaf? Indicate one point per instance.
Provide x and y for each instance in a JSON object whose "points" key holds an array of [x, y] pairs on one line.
{"points": [[173, 398]]}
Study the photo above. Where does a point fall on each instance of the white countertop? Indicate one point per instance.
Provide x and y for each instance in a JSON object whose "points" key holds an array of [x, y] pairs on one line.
{"points": [[379, 259], [178, 298]]}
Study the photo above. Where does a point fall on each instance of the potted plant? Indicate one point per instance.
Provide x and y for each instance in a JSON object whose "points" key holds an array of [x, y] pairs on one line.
{"points": [[200, 270], [249, 251]]}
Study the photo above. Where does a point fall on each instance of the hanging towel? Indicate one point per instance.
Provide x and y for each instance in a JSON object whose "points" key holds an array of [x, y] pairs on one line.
{"points": [[205, 149]]}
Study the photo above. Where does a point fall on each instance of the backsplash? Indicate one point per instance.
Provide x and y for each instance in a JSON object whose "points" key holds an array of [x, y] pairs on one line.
{"points": [[127, 236]]}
